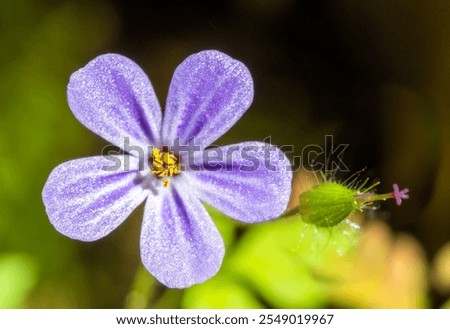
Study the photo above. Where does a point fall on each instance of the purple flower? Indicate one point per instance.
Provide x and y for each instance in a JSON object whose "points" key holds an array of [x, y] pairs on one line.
{"points": [[88, 198]]}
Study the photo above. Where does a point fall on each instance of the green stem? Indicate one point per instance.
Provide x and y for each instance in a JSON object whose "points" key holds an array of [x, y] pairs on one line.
{"points": [[142, 289]]}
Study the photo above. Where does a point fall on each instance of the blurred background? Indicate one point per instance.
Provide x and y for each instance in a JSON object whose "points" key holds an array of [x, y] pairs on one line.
{"points": [[374, 74]]}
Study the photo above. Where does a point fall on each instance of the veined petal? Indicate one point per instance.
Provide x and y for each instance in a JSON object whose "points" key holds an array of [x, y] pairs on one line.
{"points": [[114, 98], [209, 92], [250, 181], [87, 198], [180, 244]]}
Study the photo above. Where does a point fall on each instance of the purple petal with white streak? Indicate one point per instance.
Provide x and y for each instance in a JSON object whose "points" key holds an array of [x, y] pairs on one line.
{"points": [[209, 92], [114, 98], [85, 200], [180, 244], [250, 181]]}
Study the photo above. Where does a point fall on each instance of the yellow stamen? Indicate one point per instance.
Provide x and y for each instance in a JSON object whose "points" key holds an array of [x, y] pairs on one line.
{"points": [[164, 165], [166, 182]]}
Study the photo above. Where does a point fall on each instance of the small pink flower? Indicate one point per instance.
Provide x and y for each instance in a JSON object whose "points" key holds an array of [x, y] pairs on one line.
{"points": [[400, 195]]}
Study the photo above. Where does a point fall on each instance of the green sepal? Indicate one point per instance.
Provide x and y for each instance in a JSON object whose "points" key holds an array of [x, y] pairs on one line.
{"points": [[327, 204]]}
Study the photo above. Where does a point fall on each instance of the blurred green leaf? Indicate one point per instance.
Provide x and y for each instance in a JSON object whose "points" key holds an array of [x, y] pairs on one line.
{"points": [[278, 262], [268, 258], [220, 292], [17, 277]]}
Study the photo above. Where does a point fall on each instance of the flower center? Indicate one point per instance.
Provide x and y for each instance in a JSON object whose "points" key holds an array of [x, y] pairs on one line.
{"points": [[164, 165]]}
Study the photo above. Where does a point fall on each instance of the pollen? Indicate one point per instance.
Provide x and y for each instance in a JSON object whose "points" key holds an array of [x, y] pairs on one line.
{"points": [[164, 165]]}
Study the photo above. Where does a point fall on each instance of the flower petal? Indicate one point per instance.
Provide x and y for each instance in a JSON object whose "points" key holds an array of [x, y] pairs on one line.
{"points": [[114, 98], [180, 245], [87, 198], [209, 92], [250, 182]]}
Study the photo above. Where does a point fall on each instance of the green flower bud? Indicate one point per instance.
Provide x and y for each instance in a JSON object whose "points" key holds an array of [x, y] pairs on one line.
{"points": [[327, 204]]}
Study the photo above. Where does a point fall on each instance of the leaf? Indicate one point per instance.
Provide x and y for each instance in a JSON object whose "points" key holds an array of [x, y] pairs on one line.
{"points": [[17, 278], [220, 292]]}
